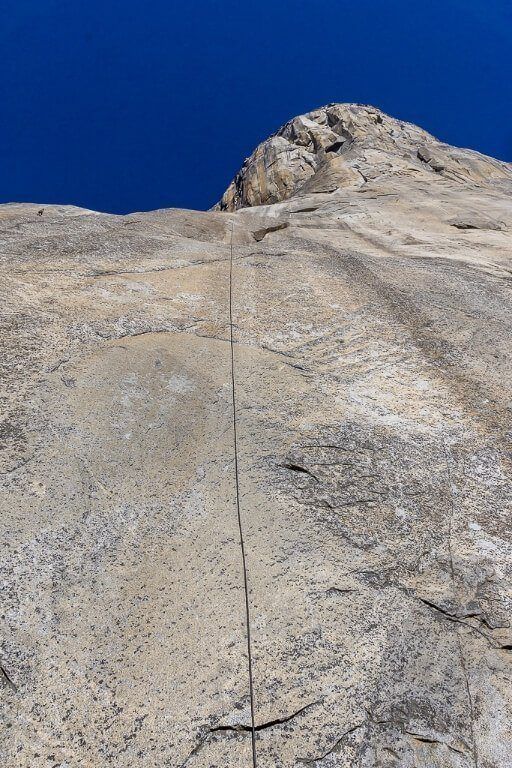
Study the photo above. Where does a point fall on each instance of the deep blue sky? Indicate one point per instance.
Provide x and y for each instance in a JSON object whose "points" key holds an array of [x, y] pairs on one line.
{"points": [[123, 106]]}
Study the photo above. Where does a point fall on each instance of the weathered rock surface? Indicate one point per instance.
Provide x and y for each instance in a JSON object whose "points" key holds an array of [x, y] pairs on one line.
{"points": [[371, 320], [340, 145]]}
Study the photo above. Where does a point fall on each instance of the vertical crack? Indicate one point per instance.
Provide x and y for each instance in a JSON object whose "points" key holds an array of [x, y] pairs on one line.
{"points": [[452, 572], [237, 488]]}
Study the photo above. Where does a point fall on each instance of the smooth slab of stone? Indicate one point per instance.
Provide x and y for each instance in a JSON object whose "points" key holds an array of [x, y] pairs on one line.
{"points": [[372, 378]]}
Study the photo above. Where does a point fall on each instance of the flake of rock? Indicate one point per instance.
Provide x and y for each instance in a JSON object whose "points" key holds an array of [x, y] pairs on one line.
{"points": [[476, 221]]}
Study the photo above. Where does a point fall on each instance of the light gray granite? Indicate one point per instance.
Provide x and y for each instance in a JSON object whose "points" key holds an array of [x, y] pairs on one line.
{"points": [[372, 314]]}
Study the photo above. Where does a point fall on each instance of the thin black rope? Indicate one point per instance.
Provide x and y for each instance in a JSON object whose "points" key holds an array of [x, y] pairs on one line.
{"points": [[237, 485]]}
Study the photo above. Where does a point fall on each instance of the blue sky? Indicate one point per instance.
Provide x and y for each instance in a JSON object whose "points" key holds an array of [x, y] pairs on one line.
{"points": [[124, 106]]}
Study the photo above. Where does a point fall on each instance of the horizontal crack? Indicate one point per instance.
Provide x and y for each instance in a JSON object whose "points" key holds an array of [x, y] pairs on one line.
{"points": [[430, 740], [299, 468], [152, 331], [114, 272], [136, 272], [263, 726]]}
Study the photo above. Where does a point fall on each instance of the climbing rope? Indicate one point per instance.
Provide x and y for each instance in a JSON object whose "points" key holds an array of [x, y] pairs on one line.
{"points": [[237, 485]]}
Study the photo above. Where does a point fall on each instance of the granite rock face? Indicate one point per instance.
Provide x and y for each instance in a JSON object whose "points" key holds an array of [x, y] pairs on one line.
{"points": [[341, 145], [371, 319]]}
